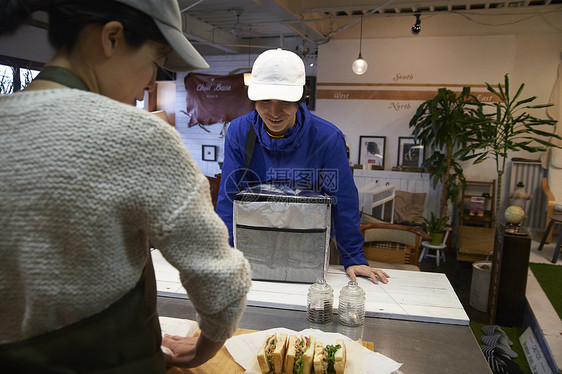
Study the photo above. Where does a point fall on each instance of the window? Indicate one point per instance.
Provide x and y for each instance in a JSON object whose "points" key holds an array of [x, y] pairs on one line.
{"points": [[6, 79], [16, 74], [26, 76]]}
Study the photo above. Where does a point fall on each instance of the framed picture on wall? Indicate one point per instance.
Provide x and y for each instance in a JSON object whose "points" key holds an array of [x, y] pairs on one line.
{"points": [[410, 153], [209, 153], [371, 151]]}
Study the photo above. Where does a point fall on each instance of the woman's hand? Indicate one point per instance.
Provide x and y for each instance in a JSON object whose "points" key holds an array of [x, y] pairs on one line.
{"points": [[367, 272], [189, 352]]}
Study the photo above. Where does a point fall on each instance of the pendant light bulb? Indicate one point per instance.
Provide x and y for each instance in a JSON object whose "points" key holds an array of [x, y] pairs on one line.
{"points": [[360, 65]]}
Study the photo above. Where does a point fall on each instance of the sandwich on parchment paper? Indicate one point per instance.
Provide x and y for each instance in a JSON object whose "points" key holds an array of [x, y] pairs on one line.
{"points": [[329, 359], [300, 352], [272, 354]]}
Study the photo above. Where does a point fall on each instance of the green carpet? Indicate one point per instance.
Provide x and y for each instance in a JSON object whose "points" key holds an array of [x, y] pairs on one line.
{"points": [[513, 333], [550, 279]]}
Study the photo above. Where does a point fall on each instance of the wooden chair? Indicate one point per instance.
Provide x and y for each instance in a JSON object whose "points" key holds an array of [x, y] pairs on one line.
{"points": [[392, 243], [554, 219], [552, 187]]}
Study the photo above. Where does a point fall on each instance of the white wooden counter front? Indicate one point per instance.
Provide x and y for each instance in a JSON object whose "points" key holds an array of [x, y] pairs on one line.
{"points": [[409, 295]]}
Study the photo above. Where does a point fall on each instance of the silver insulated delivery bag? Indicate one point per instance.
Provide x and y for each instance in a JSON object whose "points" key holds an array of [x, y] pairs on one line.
{"points": [[283, 233]]}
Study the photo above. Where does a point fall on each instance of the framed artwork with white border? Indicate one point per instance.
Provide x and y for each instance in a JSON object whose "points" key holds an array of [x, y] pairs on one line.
{"points": [[209, 153], [411, 153], [371, 151]]}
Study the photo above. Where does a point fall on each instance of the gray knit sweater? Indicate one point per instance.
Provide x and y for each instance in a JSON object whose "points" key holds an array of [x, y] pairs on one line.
{"points": [[84, 181]]}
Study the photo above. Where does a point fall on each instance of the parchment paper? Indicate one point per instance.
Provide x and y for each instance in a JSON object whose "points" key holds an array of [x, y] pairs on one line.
{"points": [[360, 360]]}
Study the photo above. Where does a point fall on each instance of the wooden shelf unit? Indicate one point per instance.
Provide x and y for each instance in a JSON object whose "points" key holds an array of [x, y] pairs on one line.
{"points": [[478, 217]]}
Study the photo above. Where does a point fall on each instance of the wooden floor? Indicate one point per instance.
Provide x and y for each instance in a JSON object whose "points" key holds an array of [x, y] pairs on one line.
{"points": [[458, 268]]}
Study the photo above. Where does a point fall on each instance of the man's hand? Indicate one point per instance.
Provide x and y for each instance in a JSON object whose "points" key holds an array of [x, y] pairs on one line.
{"points": [[367, 272]]}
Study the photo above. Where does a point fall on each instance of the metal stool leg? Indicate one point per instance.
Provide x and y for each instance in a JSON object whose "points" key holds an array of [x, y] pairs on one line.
{"points": [[422, 254], [557, 248], [545, 235]]}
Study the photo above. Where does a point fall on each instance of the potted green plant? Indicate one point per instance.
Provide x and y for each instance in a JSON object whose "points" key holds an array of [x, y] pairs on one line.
{"points": [[440, 124], [435, 226], [507, 127]]}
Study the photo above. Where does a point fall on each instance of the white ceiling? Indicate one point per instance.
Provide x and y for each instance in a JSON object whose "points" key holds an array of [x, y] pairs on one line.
{"points": [[218, 27], [238, 26]]}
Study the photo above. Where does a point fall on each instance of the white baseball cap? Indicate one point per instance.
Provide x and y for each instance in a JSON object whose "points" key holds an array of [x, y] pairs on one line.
{"points": [[166, 14], [277, 74]]}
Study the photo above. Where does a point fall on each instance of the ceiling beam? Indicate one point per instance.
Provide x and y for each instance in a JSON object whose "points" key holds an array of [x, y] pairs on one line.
{"points": [[289, 12], [322, 6], [205, 33]]}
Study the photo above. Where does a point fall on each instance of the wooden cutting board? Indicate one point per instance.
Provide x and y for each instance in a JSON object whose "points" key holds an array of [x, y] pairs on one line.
{"points": [[224, 363]]}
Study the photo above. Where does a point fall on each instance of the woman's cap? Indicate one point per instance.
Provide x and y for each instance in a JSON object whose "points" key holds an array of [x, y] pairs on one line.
{"points": [[166, 14], [277, 75]]}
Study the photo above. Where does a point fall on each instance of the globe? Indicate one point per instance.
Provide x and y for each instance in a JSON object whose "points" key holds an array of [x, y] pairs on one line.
{"points": [[514, 214]]}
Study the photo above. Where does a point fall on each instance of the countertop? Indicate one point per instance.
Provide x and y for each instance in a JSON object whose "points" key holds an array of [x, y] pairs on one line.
{"points": [[416, 319]]}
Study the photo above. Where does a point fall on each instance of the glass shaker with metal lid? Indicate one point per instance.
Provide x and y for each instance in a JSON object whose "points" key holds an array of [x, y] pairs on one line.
{"points": [[320, 302], [351, 306]]}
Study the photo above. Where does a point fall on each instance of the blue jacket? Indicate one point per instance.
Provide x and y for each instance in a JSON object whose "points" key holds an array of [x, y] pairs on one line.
{"points": [[312, 154]]}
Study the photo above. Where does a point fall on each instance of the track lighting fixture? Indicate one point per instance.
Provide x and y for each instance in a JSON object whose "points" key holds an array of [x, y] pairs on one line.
{"points": [[360, 65], [417, 26]]}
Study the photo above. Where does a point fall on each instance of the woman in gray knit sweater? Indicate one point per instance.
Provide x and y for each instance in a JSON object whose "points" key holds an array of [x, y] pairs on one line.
{"points": [[87, 180]]}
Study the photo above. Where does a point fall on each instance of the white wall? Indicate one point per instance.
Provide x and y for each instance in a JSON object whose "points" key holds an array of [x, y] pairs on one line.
{"points": [[400, 67], [426, 63]]}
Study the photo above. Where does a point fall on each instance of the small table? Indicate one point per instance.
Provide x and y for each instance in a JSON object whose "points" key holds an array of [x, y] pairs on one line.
{"points": [[373, 198], [475, 243]]}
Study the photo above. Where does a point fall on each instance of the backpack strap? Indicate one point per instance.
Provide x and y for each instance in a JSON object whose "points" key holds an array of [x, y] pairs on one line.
{"points": [[250, 144]]}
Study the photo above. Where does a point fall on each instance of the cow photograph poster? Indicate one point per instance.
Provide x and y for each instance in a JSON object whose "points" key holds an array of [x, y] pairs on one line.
{"points": [[371, 151]]}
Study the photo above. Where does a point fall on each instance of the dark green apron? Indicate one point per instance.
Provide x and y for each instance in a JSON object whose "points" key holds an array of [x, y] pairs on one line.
{"points": [[125, 338]]}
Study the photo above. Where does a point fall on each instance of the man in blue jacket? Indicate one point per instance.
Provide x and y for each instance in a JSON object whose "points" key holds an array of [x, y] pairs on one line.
{"points": [[296, 147]]}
